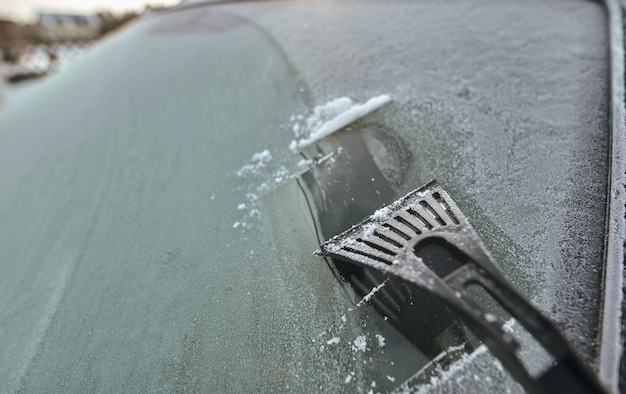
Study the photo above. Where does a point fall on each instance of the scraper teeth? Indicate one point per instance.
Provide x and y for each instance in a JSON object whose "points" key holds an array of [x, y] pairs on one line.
{"points": [[377, 240]]}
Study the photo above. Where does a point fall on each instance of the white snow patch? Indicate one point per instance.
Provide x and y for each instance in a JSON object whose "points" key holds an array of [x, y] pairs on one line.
{"points": [[382, 214], [491, 318], [381, 340], [262, 157], [369, 229], [369, 295], [260, 160], [457, 348], [391, 378], [241, 207], [331, 117], [333, 341], [348, 379], [304, 163], [360, 343], [508, 326]]}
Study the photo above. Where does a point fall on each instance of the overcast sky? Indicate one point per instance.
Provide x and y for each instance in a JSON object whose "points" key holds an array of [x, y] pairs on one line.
{"points": [[26, 10]]}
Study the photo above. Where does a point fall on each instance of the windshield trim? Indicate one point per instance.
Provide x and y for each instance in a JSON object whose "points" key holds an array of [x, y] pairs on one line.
{"points": [[610, 334]]}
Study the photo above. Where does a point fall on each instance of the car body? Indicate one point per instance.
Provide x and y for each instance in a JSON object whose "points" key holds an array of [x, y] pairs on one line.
{"points": [[159, 233]]}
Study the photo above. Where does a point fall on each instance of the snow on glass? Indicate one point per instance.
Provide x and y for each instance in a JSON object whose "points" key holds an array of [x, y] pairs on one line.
{"points": [[331, 117], [359, 344], [369, 295], [261, 166], [259, 160], [324, 120]]}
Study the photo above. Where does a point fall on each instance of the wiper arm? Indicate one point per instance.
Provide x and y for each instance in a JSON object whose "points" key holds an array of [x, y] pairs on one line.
{"points": [[424, 239]]}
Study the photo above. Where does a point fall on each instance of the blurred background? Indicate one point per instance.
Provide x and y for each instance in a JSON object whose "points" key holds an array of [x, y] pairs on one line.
{"points": [[40, 37]]}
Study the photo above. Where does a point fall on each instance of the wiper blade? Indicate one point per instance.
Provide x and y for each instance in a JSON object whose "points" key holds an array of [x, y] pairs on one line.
{"points": [[425, 239]]}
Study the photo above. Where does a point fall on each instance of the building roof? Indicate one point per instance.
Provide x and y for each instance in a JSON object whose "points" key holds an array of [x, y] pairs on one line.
{"points": [[52, 19]]}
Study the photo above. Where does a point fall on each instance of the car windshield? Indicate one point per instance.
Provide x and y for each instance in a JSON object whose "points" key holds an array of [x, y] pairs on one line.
{"points": [[159, 232]]}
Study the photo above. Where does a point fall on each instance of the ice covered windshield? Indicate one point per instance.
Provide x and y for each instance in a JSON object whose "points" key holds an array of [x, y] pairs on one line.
{"points": [[159, 238]]}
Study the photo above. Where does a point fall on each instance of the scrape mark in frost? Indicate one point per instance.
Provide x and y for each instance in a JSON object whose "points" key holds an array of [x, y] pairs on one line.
{"points": [[455, 370]]}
